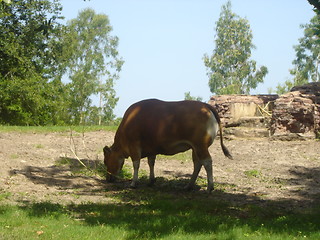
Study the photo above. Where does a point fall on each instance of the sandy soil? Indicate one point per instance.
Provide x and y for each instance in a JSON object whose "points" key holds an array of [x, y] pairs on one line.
{"points": [[262, 171]]}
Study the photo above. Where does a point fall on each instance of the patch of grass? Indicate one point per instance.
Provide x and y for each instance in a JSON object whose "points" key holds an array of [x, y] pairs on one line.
{"points": [[49, 129], [126, 172], [4, 195], [224, 186], [314, 158], [253, 173], [38, 146], [152, 214], [14, 156], [63, 161]]}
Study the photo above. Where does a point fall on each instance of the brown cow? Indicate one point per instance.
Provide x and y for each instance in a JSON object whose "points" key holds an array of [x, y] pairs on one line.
{"points": [[152, 127]]}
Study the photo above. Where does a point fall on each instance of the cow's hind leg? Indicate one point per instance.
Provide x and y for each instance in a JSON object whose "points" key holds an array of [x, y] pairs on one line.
{"points": [[206, 160], [196, 169], [207, 163], [151, 161]]}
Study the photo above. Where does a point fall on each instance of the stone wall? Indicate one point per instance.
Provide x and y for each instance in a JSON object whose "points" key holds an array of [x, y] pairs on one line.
{"points": [[233, 107], [297, 112], [293, 115]]}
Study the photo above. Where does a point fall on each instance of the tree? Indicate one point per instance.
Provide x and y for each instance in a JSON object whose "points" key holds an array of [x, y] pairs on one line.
{"points": [[307, 62], [92, 56], [187, 96], [230, 69], [36, 51], [108, 101], [28, 60], [315, 3]]}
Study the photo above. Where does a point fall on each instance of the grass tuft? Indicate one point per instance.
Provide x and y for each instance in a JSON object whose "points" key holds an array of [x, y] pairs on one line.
{"points": [[253, 173]]}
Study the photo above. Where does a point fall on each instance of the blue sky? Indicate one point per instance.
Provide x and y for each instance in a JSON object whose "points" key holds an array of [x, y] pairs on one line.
{"points": [[163, 42]]}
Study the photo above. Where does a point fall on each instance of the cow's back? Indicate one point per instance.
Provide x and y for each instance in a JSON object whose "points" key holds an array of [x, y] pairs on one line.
{"points": [[165, 127]]}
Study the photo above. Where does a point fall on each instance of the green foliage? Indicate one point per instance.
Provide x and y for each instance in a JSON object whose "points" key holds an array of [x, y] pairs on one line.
{"points": [[315, 3], [92, 56], [27, 32], [187, 96], [36, 51], [308, 53], [307, 62], [284, 88], [230, 69]]}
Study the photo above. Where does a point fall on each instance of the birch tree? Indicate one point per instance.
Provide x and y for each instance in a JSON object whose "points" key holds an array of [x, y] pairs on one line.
{"points": [[93, 63]]}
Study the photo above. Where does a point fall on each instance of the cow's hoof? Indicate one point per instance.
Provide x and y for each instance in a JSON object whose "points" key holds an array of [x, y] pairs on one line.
{"points": [[210, 189], [188, 187], [133, 186], [192, 188], [151, 182], [110, 178]]}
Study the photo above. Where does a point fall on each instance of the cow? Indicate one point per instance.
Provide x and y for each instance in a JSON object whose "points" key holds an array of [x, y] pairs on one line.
{"points": [[151, 127]]}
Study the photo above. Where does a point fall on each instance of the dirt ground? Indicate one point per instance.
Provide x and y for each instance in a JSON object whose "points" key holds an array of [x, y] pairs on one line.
{"points": [[263, 171]]}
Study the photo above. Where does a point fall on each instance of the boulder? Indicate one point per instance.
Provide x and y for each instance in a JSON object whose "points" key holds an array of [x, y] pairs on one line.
{"points": [[297, 113]]}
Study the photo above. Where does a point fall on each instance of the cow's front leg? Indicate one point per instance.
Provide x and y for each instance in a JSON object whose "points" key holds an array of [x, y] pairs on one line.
{"points": [[151, 161], [136, 165]]}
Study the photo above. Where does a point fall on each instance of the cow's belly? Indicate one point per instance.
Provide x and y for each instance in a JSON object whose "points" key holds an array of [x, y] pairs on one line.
{"points": [[166, 149], [175, 148]]}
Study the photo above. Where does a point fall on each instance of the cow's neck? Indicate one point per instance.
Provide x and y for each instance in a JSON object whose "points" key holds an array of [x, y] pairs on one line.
{"points": [[119, 150]]}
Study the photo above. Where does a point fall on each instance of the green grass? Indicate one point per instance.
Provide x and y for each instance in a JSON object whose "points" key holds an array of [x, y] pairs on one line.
{"points": [[14, 156], [38, 146], [154, 214], [48, 129], [252, 173], [4, 195]]}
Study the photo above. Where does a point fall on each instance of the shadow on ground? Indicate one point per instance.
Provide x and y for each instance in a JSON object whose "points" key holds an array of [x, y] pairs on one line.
{"points": [[166, 208], [69, 173]]}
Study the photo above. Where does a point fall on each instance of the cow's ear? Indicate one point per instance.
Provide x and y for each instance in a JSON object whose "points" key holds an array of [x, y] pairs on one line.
{"points": [[106, 150]]}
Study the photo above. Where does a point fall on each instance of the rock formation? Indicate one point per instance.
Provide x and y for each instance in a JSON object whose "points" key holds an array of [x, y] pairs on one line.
{"points": [[296, 114], [232, 108], [245, 115]]}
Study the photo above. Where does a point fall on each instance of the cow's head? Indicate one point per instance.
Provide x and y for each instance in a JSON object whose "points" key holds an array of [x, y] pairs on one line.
{"points": [[113, 162]]}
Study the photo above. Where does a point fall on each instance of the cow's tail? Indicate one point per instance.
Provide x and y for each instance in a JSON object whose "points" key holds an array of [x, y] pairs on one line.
{"points": [[224, 148]]}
